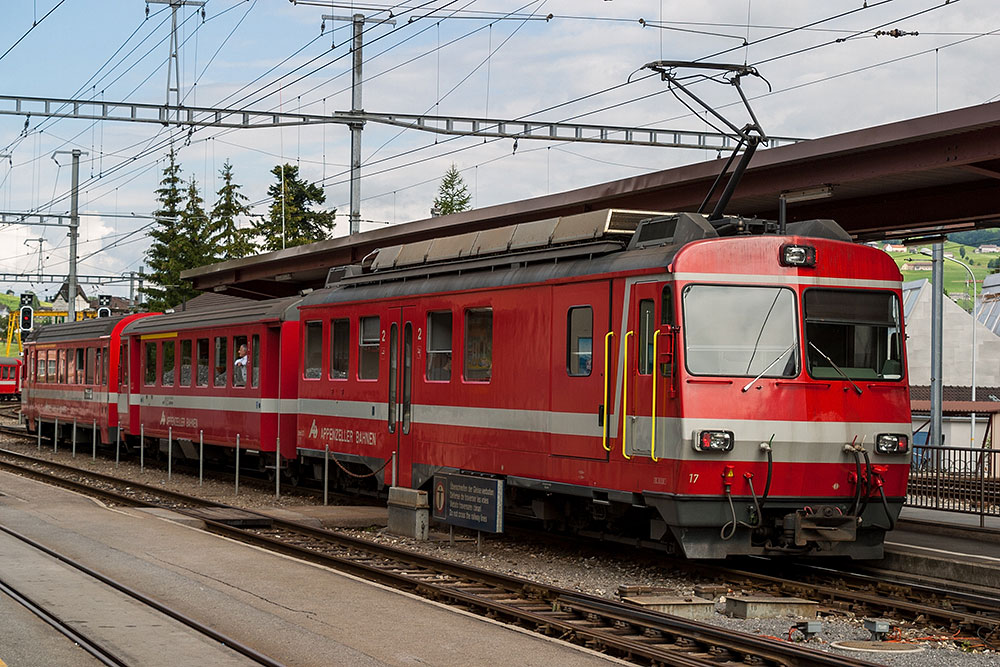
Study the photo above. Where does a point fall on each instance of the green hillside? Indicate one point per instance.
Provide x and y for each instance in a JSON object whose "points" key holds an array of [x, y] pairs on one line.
{"points": [[956, 278]]}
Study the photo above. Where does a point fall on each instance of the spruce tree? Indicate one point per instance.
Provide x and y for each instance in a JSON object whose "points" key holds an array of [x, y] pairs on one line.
{"points": [[164, 254], [301, 224], [453, 195], [233, 242]]}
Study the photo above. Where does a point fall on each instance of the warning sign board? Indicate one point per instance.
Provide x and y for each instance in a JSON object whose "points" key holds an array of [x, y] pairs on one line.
{"points": [[469, 501]]}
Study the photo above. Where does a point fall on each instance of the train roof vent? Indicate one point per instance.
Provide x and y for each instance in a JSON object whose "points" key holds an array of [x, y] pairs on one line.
{"points": [[673, 229], [821, 229], [526, 236]]}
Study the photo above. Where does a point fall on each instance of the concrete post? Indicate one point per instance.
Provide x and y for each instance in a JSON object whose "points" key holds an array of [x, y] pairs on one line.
{"points": [[74, 438], [170, 451], [326, 475], [55, 437], [39, 433], [937, 305], [201, 457], [93, 442], [237, 464], [118, 440]]}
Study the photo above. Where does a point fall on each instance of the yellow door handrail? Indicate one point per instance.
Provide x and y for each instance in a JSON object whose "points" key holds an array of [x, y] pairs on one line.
{"points": [[607, 379], [652, 430], [625, 390]]}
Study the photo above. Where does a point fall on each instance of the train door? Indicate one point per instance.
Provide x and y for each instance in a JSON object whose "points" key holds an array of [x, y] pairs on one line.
{"points": [[580, 378], [649, 388], [124, 416], [402, 338]]}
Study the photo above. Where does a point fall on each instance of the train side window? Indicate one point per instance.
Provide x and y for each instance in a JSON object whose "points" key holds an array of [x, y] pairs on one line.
{"points": [[580, 341], [52, 366], [255, 361], [185, 363], [123, 365], [340, 348], [203, 367], [368, 345], [439, 346], [478, 344], [91, 364], [667, 306], [60, 365], [40, 367], [106, 367], [241, 358], [169, 362], [78, 376], [646, 326], [98, 378], [221, 362], [149, 378], [312, 360]]}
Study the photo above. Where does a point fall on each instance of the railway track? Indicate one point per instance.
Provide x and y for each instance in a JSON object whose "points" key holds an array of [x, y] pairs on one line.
{"points": [[93, 645], [844, 592], [617, 629]]}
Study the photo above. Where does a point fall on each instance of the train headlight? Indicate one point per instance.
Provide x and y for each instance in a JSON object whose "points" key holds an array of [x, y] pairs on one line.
{"points": [[713, 441], [892, 443], [798, 255]]}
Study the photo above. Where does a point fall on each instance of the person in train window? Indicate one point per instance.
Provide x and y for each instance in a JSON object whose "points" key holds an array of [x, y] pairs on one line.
{"points": [[240, 367]]}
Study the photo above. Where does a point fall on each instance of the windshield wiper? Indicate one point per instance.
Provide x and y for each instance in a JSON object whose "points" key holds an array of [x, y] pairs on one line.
{"points": [[836, 367], [749, 384]]}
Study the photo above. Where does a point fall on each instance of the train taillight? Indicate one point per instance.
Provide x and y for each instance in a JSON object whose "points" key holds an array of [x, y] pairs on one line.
{"points": [[714, 441], [798, 255], [892, 443]]}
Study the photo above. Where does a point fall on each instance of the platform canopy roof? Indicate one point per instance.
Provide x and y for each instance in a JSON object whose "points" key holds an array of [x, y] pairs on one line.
{"points": [[921, 177]]}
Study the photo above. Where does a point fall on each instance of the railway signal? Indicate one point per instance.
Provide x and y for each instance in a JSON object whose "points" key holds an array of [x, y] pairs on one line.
{"points": [[104, 305], [27, 318]]}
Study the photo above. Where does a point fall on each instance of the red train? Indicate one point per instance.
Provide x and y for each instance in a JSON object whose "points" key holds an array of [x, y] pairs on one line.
{"points": [[712, 386], [10, 379]]}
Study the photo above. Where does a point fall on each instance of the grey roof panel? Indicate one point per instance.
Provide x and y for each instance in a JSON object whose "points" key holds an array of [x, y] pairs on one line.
{"points": [[93, 328], [275, 310]]}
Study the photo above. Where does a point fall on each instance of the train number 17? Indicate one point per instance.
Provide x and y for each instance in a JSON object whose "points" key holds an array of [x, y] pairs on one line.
{"points": [[692, 478]]}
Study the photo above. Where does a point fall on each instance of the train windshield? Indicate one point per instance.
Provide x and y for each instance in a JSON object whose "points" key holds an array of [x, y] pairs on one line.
{"points": [[853, 334], [740, 331]]}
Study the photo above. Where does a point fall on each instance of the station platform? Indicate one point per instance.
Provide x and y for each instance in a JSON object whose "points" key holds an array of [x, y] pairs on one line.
{"points": [[295, 612], [935, 544]]}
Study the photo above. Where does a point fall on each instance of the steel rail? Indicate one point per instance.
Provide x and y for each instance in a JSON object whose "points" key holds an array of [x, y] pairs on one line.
{"points": [[101, 654]]}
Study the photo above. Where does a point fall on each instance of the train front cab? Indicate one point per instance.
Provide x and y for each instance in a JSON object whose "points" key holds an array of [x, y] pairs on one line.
{"points": [[781, 407]]}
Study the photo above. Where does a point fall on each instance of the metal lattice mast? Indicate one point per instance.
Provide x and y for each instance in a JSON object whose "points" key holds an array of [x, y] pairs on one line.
{"points": [[174, 61]]}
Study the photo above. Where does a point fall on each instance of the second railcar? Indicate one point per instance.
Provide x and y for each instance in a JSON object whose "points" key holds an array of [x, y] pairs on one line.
{"points": [[10, 379]]}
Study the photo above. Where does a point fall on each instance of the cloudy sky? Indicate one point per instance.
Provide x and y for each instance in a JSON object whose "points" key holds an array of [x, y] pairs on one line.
{"points": [[828, 67]]}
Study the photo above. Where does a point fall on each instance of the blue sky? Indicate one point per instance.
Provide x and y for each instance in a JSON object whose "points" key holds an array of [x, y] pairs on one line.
{"points": [[470, 58]]}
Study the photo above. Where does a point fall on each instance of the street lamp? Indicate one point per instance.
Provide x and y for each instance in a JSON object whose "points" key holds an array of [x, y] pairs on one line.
{"points": [[972, 278]]}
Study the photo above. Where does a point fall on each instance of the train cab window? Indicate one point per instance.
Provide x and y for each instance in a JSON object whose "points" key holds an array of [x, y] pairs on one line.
{"points": [[241, 357], [149, 377], [169, 364], [255, 361], [340, 348], [439, 346], [60, 365], [40, 367], [647, 324], [478, 344], [852, 334], [580, 341], [221, 362], [312, 360], [740, 330], [185, 380], [368, 345], [203, 365]]}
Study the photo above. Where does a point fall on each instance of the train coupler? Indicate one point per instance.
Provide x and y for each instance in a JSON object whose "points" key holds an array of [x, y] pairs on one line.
{"points": [[825, 523]]}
